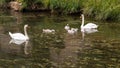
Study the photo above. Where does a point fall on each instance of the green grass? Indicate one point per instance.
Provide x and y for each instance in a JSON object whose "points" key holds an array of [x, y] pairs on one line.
{"points": [[97, 9], [103, 9], [65, 6]]}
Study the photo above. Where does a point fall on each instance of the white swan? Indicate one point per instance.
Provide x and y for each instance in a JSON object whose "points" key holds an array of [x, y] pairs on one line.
{"points": [[67, 27], [74, 29], [71, 31], [48, 31], [87, 26], [20, 36], [18, 42]]}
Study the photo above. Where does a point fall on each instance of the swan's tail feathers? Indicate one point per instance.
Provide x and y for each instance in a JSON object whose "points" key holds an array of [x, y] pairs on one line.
{"points": [[10, 34]]}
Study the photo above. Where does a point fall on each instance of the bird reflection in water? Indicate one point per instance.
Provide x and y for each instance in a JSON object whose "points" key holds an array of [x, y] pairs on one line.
{"points": [[88, 31], [27, 46], [85, 42]]}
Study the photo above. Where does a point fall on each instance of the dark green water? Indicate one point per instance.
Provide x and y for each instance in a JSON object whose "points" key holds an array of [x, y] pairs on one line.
{"points": [[60, 50]]}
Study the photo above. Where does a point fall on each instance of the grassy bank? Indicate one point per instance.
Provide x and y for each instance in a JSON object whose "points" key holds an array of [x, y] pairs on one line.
{"points": [[97, 9], [63, 6], [103, 9]]}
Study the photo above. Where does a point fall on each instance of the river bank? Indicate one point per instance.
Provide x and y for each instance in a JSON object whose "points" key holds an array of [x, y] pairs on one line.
{"points": [[97, 9]]}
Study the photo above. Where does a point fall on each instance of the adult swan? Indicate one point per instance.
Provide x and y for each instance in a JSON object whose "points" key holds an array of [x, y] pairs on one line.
{"points": [[20, 36], [87, 26]]}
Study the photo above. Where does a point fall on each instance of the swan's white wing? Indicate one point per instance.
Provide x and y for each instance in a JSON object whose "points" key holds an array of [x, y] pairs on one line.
{"points": [[18, 36], [90, 25]]}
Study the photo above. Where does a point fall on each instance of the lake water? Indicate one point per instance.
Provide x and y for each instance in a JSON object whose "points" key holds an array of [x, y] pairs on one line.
{"points": [[59, 50]]}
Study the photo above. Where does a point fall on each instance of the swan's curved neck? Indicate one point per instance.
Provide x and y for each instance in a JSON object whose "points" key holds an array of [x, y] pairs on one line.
{"points": [[82, 21], [25, 31]]}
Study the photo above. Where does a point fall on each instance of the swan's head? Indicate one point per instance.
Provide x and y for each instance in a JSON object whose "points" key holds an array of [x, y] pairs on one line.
{"points": [[53, 30], [26, 25], [82, 15]]}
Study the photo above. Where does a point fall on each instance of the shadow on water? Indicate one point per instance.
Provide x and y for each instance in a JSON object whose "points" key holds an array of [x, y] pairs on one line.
{"points": [[60, 50]]}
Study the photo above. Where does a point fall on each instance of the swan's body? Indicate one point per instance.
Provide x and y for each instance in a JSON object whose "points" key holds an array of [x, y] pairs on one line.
{"points": [[20, 36], [71, 31], [74, 29], [67, 27], [90, 26], [48, 31], [18, 42], [87, 26]]}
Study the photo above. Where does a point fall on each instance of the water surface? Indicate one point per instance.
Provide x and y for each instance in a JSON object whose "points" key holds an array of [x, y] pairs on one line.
{"points": [[60, 50]]}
